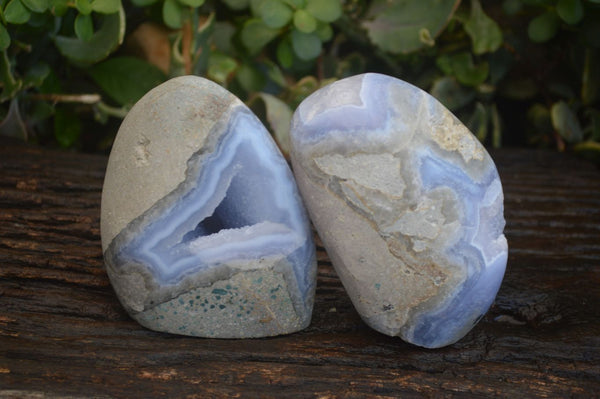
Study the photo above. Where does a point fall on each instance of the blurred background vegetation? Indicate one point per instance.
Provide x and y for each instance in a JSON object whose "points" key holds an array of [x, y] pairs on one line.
{"points": [[516, 72]]}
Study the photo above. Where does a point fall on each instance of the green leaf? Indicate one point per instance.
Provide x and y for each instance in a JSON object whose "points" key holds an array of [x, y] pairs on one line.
{"points": [[237, 4], [519, 89], [307, 46], [83, 6], [538, 3], [4, 38], [255, 35], [36, 5], [36, 75], [220, 67], [126, 79], [324, 10], [192, 3], [41, 20], [222, 37], [12, 124], [250, 78], [274, 13], [106, 6], [285, 54], [304, 22], [353, 64], [143, 3], [444, 63], [302, 89], [51, 84], [295, 3], [104, 41], [543, 27], [40, 111], [84, 27], [255, 6], [279, 116], [16, 12], [462, 67], [589, 149], [397, 26], [450, 93], [67, 127], [539, 117], [512, 7], [275, 74], [484, 32], [467, 72], [59, 7], [565, 122], [500, 64], [571, 11], [324, 31], [172, 13], [589, 30], [478, 122]]}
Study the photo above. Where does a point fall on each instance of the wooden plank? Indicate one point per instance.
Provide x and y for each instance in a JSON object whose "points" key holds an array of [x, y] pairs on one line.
{"points": [[64, 334]]}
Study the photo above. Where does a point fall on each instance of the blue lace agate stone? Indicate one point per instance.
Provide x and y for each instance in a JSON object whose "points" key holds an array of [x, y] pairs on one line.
{"points": [[203, 229], [408, 204]]}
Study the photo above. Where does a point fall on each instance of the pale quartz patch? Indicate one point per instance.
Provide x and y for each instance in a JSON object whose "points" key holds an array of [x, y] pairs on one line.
{"points": [[452, 135], [375, 171], [425, 221], [371, 267], [232, 236]]}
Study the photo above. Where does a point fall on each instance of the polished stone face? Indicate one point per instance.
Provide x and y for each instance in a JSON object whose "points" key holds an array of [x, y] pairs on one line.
{"points": [[227, 251], [407, 202]]}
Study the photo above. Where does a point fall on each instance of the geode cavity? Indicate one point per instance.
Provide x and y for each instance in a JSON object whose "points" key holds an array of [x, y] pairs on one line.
{"points": [[203, 229]]}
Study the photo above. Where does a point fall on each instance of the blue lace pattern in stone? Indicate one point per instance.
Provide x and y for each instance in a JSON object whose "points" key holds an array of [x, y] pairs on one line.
{"points": [[237, 210]]}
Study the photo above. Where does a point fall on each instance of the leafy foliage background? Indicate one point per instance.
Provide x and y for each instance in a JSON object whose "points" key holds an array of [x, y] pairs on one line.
{"points": [[516, 72]]}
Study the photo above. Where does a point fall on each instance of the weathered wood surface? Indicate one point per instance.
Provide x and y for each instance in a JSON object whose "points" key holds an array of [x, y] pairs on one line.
{"points": [[64, 334]]}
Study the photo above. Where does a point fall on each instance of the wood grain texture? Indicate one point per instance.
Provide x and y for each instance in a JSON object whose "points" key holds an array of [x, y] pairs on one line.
{"points": [[64, 334]]}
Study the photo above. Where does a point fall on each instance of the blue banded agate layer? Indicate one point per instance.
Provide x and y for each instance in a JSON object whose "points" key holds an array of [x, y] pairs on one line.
{"points": [[227, 252], [408, 203]]}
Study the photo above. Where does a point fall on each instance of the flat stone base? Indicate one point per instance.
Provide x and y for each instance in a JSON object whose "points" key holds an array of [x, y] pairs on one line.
{"points": [[250, 304]]}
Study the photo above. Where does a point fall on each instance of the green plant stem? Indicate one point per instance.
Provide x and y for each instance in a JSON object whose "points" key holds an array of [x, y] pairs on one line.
{"points": [[11, 85], [7, 76], [587, 146], [91, 99], [68, 98], [118, 112]]}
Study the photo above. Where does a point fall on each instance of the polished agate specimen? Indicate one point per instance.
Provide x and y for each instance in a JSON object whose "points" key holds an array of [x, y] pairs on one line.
{"points": [[203, 229], [407, 202]]}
